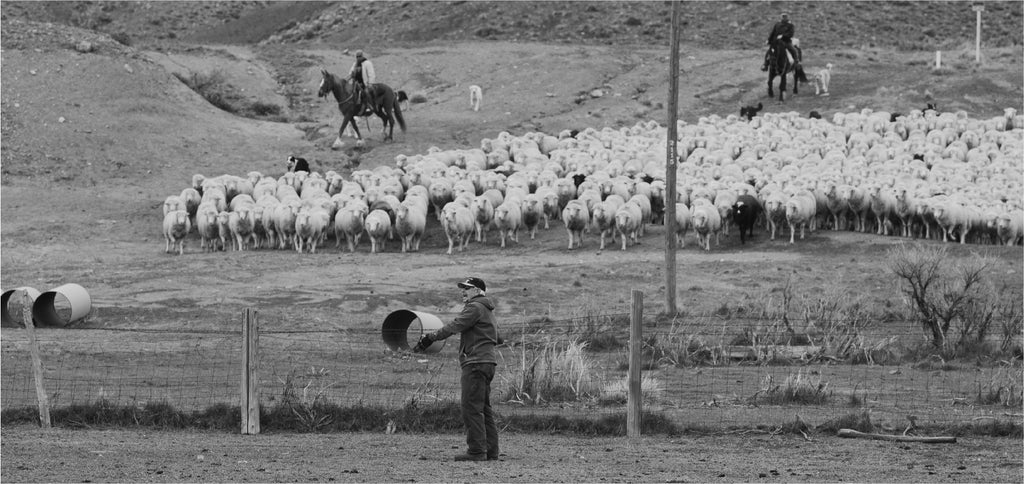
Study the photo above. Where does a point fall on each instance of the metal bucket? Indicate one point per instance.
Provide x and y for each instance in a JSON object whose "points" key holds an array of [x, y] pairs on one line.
{"points": [[45, 311], [403, 328], [16, 321]]}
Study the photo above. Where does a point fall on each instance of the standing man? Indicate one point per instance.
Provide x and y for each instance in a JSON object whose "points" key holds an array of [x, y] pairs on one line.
{"points": [[782, 32], [478, 337], [364, 76]]}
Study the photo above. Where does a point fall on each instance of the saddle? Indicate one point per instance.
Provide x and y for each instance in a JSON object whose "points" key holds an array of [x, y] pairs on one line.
{"points": [[368, 99]]}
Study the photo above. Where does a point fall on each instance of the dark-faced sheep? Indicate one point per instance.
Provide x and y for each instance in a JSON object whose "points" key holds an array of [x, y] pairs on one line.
{"points": [[745, 212]]}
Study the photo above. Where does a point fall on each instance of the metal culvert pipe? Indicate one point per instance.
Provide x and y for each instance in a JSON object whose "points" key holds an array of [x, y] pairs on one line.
{"points": [[403, 328], [8, 320], [78, 305]]}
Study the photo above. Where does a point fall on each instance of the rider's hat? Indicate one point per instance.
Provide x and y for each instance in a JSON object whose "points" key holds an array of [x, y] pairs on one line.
{"points": [[359, 53], [785, 14]]}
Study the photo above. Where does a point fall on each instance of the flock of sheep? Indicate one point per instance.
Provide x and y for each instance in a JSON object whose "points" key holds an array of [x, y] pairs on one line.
{"points": [[941, 176]]}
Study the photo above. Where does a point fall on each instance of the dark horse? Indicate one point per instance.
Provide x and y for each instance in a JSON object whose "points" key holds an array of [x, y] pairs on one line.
{"points": [[779, 66], [386, 106]]}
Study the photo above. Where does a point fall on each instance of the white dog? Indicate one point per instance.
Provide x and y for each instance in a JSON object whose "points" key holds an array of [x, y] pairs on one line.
{"points": [[822, 79], [476, 95]]}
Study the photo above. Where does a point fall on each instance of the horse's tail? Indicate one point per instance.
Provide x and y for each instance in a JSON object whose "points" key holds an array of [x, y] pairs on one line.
{"points": [[398, 114], [800, 74]]}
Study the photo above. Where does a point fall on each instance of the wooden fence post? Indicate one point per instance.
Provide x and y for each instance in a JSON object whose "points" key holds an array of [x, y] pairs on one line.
{"points": [[37, 363], [634, 401], [250, 402]]}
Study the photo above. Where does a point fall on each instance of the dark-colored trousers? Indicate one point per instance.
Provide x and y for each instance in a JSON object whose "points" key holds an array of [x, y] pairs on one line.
{"points": [[481, 431]]}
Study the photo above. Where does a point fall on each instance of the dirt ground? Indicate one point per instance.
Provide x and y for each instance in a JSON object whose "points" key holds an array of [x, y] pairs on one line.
{"points": [[94, 142], [153, 456]]}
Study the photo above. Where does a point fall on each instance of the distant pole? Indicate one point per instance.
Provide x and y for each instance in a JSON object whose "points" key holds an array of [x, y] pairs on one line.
{"points": [[978, 8], [670, 165]]}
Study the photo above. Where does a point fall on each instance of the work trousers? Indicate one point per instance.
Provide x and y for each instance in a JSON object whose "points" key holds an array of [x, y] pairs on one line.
{"points": [[481, 431]]}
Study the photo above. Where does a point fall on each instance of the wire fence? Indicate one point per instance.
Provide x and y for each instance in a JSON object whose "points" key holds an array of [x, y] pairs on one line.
{"points": [[710, 371]]}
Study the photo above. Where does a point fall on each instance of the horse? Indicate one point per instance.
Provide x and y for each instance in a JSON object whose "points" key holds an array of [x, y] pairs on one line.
{"points": [[386, 104], [779, 65]]}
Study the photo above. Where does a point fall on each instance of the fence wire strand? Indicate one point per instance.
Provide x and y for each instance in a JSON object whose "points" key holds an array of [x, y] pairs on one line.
{"points": [[709, 371]]}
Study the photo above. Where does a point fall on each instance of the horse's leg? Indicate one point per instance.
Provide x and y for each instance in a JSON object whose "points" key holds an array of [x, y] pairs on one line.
{"points": [[383, 114], [348, 119], [796, 82], [771, 78], [782, 86]]}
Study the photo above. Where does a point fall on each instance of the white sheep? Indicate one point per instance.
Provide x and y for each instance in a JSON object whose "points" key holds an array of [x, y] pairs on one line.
{"points": [[483, 215], [459, 225], [724, 201], [192, 198], [628, 222], [603, 217], [241, 224], [533, 213], [883, 205], [508, 218], [550, 203], [774, 211], [1010, 227], [284, 223], [575, 216], [682, 223], [706, 221], [377, 227], [800, 212], [410, 224], [951, 217], [176, 227], [859, 205], [224, 229], [206, 225], [349, 223], [174, 203], [310, 226]]}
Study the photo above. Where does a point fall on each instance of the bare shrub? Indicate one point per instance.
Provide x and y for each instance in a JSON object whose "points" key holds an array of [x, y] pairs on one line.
{"points": [[939, 289], [1004, 388]]}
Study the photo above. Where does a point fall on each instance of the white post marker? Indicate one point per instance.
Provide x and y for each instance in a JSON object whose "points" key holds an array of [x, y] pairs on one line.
{"points": [[978, 8], [938, 59]]}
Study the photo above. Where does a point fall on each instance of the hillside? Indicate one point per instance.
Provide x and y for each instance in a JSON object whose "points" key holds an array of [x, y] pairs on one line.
{"points": [[96, 136], [374, 26]]}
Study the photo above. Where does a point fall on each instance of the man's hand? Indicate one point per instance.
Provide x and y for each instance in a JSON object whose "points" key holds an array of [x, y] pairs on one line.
{"points": [[424, 343]]}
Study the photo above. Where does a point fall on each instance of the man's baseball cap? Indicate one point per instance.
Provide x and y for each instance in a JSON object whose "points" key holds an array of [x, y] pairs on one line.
{"points": [[473, 282], [359, 53]]}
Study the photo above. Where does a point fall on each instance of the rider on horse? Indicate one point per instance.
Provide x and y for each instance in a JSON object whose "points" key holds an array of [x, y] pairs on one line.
{"points": [[363, 76], [783, 32]]}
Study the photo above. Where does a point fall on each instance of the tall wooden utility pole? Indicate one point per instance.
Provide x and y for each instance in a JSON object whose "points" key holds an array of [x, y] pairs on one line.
{"points": [[978, 8], [670, 165]]}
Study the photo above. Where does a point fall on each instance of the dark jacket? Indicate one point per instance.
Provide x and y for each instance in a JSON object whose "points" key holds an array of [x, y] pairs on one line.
{"points": [[785, 29], [479, 333]]}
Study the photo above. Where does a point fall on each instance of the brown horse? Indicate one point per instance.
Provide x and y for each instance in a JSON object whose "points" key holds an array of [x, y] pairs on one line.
{"points": [[386, 104]]}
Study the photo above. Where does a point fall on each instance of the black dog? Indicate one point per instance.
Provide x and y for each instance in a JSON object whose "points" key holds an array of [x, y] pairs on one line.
{"points": [[297, 164], [814, 115], [750, 111]]}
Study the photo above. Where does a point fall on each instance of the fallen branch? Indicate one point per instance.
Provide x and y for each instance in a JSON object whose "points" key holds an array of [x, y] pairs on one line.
{"points": [[853, 434]]}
